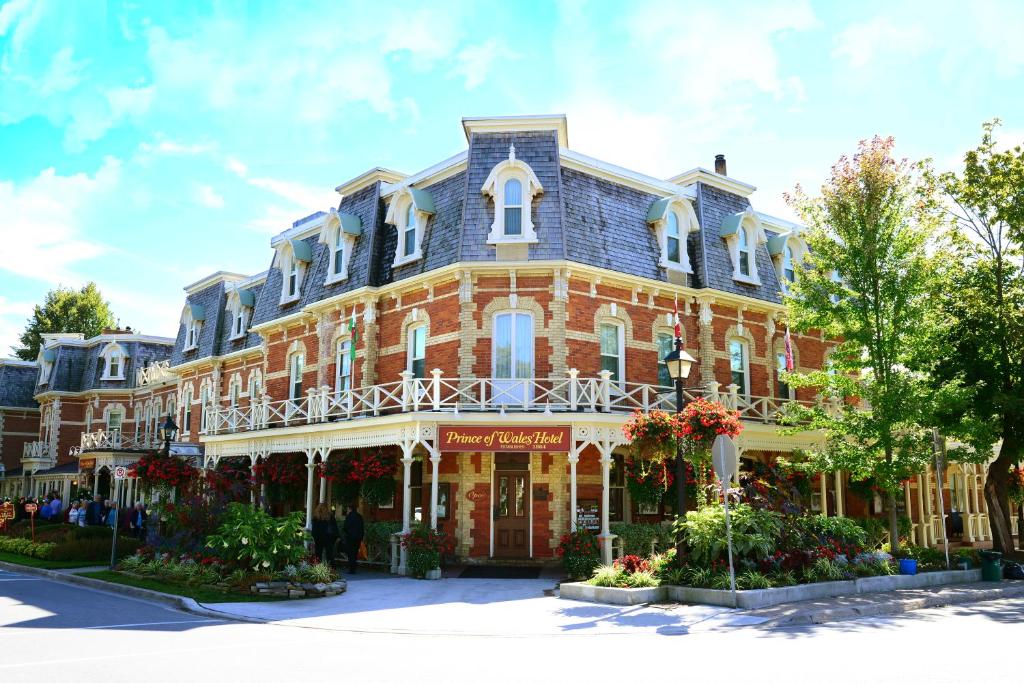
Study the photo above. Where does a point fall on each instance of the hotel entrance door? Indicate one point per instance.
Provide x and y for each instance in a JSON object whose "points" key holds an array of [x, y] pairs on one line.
{"points": [[512, 506]]}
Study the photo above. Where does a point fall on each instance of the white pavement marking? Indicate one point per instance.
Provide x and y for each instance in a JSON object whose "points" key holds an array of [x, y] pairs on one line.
{"points": [[158, 623], [26, 579]]}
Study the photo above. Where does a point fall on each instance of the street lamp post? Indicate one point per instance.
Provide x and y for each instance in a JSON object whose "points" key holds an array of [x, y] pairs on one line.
{"points": [[167, 432], [679, 363]]}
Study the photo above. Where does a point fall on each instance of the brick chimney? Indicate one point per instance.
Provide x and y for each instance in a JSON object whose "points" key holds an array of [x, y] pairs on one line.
{"points": [[720, 164]]}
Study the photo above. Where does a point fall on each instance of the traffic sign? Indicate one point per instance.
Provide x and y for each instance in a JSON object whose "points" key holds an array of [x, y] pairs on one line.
{"points": [[724, 458], [31, 508], [120, 472]]}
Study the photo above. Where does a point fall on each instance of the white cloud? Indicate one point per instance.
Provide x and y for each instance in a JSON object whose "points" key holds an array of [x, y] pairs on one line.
{"points": [[475, 62], [63, 75], [41, 222], [236, 167], [303, 196], [208, 197], [173, 147], [861, 44]]}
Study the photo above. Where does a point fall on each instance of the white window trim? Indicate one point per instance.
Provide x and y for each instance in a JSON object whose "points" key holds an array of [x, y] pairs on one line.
{"points": [[238, 311], [799, 249], [109, 352], [744, 390], [755, 239], [620, 330], [186, 410], [410, 346], [398, 213], [494, 186], [285, 261], [193, 328], [253, 385], [291, 374], [494, 346], [687, 219], [329, 236], [790, 391], [204, 400], [339, 363]]}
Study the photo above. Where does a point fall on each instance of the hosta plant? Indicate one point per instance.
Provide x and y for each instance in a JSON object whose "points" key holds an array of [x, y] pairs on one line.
{"points": [[249, 537]]}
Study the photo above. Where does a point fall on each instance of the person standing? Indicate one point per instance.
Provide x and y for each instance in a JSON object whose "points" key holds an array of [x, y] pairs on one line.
{"points": [[73, 514], [139, 521], [95, 512], [325, 533], [354, 532]]}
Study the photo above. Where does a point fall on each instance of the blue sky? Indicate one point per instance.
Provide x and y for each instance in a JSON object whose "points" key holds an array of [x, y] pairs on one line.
{"points": [[144, 145]]}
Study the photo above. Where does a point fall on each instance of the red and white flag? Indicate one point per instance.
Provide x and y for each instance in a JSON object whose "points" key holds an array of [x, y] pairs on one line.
{"points": [[675, 317], [789, 352]]}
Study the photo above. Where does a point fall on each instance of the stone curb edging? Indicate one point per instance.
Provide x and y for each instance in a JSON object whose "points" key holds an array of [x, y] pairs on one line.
{"points": [[768, 597], [903, 606], [180, 601]]}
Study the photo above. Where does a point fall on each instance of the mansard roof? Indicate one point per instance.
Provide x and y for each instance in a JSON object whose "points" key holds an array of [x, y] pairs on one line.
{"points": [[17, 383], [78, 364]]}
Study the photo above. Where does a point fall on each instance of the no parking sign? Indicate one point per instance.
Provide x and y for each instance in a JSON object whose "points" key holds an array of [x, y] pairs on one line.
{"points": [[120, 472]]}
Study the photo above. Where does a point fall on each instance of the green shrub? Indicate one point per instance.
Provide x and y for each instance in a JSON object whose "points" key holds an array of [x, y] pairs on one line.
{"points": [[825, 569], [24, 546], [94, 549], [640, 539], [580, 553], [928, 559], [875, 531], [641, 579], [784, 578], [753, 580], [425, 546], [251, 538], [676, 576], [844, 530], [608, 576], [755, 533], [316, 573]]}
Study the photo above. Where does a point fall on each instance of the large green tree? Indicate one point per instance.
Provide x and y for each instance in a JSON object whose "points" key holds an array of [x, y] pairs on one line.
{"points": [[981, 341], [65, 310], [867, 283]]}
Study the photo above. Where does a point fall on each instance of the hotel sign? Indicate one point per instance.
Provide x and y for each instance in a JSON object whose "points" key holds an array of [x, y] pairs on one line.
{"points": [[504, 439], [86, 463]]}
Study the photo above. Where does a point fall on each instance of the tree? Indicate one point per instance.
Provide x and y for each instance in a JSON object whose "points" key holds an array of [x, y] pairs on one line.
{"points": [[981, 342], [867, 281], [65, 310]]}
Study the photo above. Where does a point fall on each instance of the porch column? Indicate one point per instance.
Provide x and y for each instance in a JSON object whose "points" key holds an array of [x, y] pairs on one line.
{"points": [[407, 460], [968, 511], [823, 490], [906, 500], [975, 505], [574, 458], [923, 540], [435, 462], [929, 507], [606, 536], [840, 508], [323, 490], [252, 475], [310, 470]]}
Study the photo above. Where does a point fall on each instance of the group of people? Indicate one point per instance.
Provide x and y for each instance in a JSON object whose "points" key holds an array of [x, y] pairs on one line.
{"points": [[327, 536], [97, 512]]}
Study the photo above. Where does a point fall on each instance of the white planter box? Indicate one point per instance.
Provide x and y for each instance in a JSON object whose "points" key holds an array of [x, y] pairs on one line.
{"points": [[610, 596], [433, 574]]}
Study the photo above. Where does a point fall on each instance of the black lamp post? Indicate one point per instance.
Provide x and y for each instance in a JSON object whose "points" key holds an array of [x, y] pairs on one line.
{"points": [[679, 363], [168, 430]]}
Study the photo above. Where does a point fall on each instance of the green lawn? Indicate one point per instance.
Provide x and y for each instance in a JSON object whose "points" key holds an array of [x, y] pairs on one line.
{"points": [[197, 593], [45, 564]]}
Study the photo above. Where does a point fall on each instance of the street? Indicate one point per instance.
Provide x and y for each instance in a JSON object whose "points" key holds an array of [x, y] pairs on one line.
{"points": [[48, 627]]}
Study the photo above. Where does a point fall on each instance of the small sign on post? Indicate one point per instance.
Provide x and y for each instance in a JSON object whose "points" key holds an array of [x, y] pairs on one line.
{"points": [[7, 514], [31, 509], [724, 458], [120, 474]]}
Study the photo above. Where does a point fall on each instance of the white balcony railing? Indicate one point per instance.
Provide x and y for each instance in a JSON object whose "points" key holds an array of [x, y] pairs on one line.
{"points": [[116, 440], [440, 394], [38, 452], [154, 374]]}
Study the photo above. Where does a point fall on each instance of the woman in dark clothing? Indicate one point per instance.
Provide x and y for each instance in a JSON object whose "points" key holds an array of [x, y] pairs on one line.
{"points": [[325, 533], [353, 536]]}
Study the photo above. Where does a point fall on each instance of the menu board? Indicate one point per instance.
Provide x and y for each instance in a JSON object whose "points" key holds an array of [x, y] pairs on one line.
{"points": [[588, 515]]}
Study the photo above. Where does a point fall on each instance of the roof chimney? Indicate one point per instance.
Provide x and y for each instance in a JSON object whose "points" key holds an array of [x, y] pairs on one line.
{"points": [[720, 164]]}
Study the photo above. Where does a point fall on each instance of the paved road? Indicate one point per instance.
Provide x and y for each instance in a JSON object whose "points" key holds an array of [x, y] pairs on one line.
{"points": [[50, 629]]}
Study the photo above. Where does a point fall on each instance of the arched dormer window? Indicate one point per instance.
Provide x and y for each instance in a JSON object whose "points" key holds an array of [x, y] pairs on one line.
{"points": [[408, 212], [787, 252], [339, 233], [192, 318], [293, 259], [240, 305], [46, 359], [673, 219], [512, 185], [113, 361], [743, 234]]}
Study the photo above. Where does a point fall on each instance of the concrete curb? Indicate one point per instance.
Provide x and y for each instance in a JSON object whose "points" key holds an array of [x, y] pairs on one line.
{"points": [[179, 601], [892, 608]]}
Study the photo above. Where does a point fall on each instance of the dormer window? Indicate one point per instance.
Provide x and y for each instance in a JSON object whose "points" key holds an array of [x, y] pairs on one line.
{"points": [[293, 259], [192, 318], [408, 212], [512, 185], [240, 305], [787, 264], [787, 251], [743, 233], [113, 362], [46, 360], [673, 219]]}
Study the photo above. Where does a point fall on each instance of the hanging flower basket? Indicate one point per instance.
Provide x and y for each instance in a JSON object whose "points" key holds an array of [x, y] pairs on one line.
{"points": [[652, 436], [367, 474], [702, 421], [337, 471], [231, 479], [284, 475], [647, 481], [163, 472]]}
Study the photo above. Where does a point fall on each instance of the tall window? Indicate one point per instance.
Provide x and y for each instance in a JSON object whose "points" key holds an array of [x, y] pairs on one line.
{"points": [[617, 490], [343, 365], [295, 377], [204, 399], [192, 334], [114, 420], [787, 264], [785, 391], [673, 244], [293, 277], [513, 207], [409, 237], [146, 423], [417, 361], [254, 387], [744, 251], [666, 345], [513, 356], [88, 419], [186, 411], [114, 365], [611, 350], [738, 365], [338, 252], [239, 323]]}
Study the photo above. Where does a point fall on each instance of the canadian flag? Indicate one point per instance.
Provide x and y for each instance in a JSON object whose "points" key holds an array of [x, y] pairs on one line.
{"points": [[675, 317], [789, 352]]}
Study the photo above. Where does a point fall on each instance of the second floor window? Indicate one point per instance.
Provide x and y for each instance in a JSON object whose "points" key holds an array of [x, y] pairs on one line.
{"points": [[744, 255], [114, 365], [785, 391], [666, 345], [338, 253], [293, 278], [409, 233], [295, 377], [611, 350], [186, 412], [343, 363], [114, 420], [204, 399], [673, 244], [418, 351], [738, 365], [513, 207], [787, 264]]}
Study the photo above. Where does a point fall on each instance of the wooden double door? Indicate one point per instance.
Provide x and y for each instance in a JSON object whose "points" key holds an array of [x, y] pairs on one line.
{"points": [[511, 514]]}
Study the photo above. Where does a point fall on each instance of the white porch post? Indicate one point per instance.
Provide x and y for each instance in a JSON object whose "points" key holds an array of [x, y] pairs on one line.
{"points": [[929, 508], [252, 473], [968, 510], [435, 462], [910, 512], [823, 491], [310, 469], [606, 536], [323, 490], [574, 458], [407, 460], [840, 507], [922, 525]]}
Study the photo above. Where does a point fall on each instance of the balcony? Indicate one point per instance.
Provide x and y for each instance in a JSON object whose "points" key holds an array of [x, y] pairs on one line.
{"points": [[38, 455], [116, 440], [571, 394], [156, 373]]}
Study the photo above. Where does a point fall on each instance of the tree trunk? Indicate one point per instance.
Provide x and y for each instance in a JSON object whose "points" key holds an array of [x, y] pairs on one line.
{"points": [[1020, 526], [996, 490], [894, 525]]}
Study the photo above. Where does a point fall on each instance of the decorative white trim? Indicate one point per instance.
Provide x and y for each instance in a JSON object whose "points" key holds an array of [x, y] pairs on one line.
{"points": [[284, 261], [329, 236], [398, 216], [111, 351], [756, 238], [238, 311], [686, 219], [721, 182], [516, 124], [503, 172]]}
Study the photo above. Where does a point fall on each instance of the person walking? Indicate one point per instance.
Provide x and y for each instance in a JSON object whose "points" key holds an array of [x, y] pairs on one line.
{"points": [[73, 514], [325, 533], [138, 521], [95, 514], [354, 532]]}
